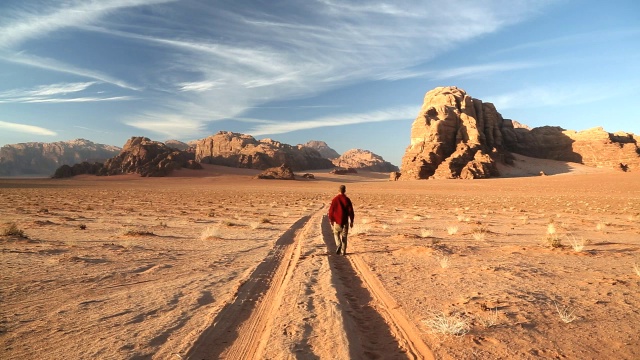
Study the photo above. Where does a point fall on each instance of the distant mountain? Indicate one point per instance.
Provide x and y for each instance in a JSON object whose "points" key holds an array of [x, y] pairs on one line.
{"points": [[364, 160], [176, 144], [324, 149], [42, 159], [244, 151]]}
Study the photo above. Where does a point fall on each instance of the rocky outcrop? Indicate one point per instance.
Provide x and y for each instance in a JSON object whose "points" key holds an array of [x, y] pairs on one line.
{"points": [[42, 159], [139, 155], [457, 136], [593, 147], [449, 131], [244, 151], [364, 160], [324, 149], [282, 172]]}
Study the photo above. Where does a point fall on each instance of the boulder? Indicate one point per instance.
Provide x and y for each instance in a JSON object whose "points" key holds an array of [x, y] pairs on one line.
{"points": [[244, 151], [364, 160], [308, 176], [282, 172]]}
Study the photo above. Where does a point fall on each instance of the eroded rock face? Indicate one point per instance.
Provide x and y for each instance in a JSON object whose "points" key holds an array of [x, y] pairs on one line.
{"points": [[364, 160], [324, 149], [593, 147], [42, 159], [449, 131], [244, 151], [457, 136], [282, 172], [178, 145]]}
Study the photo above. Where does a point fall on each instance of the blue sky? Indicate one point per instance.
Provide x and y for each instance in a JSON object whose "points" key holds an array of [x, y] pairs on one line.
{"points": [[351, 73]]}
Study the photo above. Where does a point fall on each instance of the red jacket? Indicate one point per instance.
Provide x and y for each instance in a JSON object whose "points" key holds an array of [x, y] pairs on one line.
{"points": [[341, 210]]}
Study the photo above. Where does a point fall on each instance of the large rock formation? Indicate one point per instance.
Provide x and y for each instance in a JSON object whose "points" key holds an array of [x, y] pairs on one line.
{"points": [[364, 160], [244, 151], [178, 145], [324, 149], [457, 136], [282, 172], [42, 159], [138, 156], [593, 147], [452, 137]]}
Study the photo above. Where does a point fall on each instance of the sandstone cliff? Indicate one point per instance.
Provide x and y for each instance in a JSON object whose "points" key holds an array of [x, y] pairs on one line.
{"points": [[178, 145], [244, 151], [457, 136], [364, 160], [324, 149], [42, 159]]}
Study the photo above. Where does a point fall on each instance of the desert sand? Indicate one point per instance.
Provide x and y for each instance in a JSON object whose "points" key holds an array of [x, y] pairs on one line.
{"points": [[215, 264]]}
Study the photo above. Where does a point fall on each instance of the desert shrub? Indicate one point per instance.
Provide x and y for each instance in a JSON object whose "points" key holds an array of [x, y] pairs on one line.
{"points": [[551, 228], [577, 244], [601, 226], [12, 229], [426, 233], [479, 233], [440, 323], [566, 314], [137, 232], [553, 240], [444, 262], [490, 319], [636, 268], [265, 221], [254, 225], [452, 230], [82, 227], [211, 232]]}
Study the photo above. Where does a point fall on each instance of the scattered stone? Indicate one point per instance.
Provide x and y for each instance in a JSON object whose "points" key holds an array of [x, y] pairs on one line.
{"points": [[308, 176]]}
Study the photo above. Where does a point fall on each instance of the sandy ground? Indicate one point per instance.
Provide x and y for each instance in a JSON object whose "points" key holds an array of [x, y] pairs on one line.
{"points": [[214, 264]]}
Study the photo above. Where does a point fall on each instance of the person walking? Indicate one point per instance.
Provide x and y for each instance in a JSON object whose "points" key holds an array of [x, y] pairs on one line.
{"points": [[340, 212]]}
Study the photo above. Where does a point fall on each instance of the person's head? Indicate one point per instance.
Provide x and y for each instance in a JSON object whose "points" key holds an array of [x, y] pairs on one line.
{"points": [[343, 189]]}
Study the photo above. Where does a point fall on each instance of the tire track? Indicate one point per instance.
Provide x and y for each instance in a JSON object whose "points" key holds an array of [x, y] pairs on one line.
{"points": [[376, 327], [241, 329]]}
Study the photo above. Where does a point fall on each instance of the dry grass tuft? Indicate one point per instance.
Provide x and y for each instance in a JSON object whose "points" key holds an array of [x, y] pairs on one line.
{"points": [[636, 268], [566, 314], [551, 229], [577, 244], [442, 324], [137, 232], [489, 320], [601, 226], [553, 240], [452, 230], [12, 229], [210, 233], [444, 262], [426, 233]]}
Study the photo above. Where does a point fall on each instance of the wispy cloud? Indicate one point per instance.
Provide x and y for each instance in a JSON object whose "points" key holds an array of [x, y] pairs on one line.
{"points": [[280, 127], [46, 17], [50, 93], [58, 66], [480, 70], [552, 95], [27, 129]]}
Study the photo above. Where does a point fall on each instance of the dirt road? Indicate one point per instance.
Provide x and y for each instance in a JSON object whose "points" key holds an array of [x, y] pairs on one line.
{"points": [[303, 301]]}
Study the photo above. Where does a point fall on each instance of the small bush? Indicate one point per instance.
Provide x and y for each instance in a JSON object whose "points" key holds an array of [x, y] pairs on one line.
{"points": [[137, 232], [82, 227], [566, 314], [13, 230], [442, 324], [265, 221], [551, 229], [452, 230], [553, 240], [577, 243], [426, 233], [490, 320], [601, 226], [444, 262], [636, 268], [211, 232]]}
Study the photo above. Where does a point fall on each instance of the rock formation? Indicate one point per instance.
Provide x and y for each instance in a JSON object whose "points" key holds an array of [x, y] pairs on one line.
{"points": [[343, 171], [324, 149], [457, 136], [244, 151], [138, 156], [42, 159], [364, 160], [282, 172]]}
